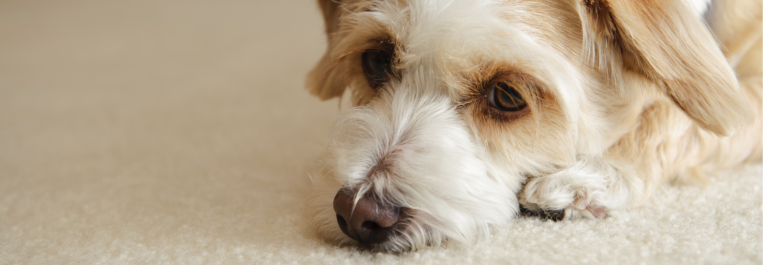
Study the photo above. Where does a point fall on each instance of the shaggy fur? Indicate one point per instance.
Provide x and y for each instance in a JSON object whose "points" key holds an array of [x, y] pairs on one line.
{"points": [[624, 96]]}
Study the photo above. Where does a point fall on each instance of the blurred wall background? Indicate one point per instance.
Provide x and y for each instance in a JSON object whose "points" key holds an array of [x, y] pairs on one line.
{"points": [[134, 126]]}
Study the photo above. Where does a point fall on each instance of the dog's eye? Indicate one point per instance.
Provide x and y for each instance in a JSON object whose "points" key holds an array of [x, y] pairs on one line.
{"points": [[505, 98], [376, 65]]}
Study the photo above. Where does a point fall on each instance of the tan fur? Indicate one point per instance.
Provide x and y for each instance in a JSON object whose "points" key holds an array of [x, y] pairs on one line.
{"points": [[667, 44]]}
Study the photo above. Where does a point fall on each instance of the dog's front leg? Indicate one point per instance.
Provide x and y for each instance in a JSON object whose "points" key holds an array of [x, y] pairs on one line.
{"points": [[591, 188]]}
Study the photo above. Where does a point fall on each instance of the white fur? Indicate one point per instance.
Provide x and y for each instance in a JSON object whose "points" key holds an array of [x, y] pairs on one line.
{"points": [[701, 6]]}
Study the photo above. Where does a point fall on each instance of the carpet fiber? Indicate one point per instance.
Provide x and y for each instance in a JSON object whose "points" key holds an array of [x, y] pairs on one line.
{"points": [[179, 132]]}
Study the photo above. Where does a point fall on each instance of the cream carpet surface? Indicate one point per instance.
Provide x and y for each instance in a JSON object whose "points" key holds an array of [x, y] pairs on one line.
{"points": [[179, 132]]}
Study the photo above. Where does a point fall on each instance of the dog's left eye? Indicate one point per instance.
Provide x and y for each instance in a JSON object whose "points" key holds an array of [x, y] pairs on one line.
{"points": [[505, 98], [376, 65]]}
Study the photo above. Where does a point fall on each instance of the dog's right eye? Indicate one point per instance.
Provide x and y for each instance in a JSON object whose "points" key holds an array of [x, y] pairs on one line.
{"points": [[376, 65]]}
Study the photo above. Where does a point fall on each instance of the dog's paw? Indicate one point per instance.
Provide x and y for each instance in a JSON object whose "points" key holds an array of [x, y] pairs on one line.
{"points": [[564, 197]]}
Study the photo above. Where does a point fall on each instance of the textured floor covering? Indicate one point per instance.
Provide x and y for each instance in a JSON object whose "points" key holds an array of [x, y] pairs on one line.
{"points": [[178, 132]]}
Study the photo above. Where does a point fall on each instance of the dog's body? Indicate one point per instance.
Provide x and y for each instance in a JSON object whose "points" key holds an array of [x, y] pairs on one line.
{"points": [[468, 109]]}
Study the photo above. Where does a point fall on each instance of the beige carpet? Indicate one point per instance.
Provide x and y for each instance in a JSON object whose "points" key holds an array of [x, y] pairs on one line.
{"points": [[179, 132]]}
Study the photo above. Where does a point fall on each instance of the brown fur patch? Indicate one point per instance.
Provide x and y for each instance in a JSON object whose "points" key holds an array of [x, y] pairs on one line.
{"points": [[666, 42]]}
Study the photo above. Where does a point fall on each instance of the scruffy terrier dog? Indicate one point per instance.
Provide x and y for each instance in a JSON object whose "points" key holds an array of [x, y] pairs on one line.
{"points": [[470, 112]]}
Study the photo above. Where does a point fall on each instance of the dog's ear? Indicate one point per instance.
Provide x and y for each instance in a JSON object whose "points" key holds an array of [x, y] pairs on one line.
{"points": [[666, 41], [330, 9], [321, 82]]}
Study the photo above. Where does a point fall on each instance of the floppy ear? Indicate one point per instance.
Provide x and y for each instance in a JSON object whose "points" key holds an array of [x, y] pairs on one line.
{"points": [[666, 41], [320, 81]]}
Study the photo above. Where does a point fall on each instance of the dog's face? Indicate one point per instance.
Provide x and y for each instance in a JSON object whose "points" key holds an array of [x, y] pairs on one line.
{"points": [[459, 102]]}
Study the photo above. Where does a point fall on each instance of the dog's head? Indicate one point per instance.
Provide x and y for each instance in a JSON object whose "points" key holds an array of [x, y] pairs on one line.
{"points": [[458, 102]]}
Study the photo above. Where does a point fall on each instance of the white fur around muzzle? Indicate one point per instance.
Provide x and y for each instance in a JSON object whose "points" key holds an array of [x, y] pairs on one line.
{"points": [[413, 150]]}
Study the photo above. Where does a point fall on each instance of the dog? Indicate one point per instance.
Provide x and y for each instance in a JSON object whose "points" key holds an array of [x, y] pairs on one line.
{"points": [[468, 113]]}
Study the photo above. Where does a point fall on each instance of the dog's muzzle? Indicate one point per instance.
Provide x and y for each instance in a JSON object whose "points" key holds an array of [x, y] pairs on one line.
{"points": [[367, 221]]}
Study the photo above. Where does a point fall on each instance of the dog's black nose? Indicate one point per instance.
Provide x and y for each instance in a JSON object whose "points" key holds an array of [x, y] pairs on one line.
{"points": [[368, 221]]}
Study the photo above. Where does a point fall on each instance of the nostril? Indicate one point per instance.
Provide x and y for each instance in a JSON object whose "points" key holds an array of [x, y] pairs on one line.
{"points": [[374, 233], [343, 225], [341, 221], [371, 226]]}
